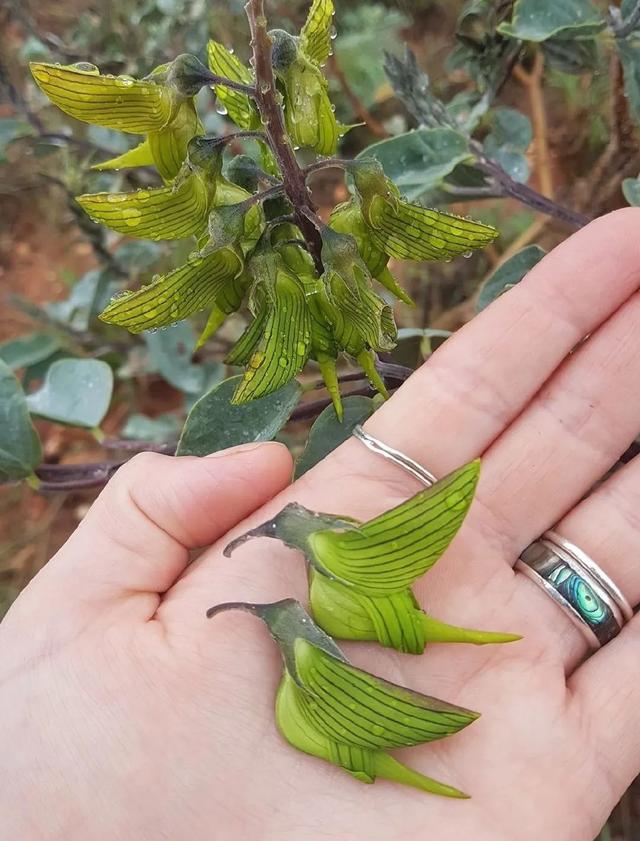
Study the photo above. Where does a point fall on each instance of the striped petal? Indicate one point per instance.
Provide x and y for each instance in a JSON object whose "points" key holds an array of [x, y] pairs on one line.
{"points": [[140, 155], [394, 621], [174, 296], [360, 322], [409, 232], [360, 709], [116, 102], [387, 554], [247, 344], [169, 146], [315, 36], [164, 213], [284, 346], [239, 106]]}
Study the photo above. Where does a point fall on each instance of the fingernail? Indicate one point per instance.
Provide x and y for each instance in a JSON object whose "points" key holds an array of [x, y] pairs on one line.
{"points": [[244, 448]]}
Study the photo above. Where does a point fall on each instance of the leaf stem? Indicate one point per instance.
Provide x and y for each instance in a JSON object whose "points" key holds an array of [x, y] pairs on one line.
{"points": [[265, 95]]}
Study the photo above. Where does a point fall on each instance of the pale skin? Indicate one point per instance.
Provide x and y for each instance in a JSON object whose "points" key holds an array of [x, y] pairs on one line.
{"points": [[126, 714]]}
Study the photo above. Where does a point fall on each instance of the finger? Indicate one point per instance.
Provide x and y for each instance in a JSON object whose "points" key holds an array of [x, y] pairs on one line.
{"points": [[575, 429], [606, 688], [606, 526], [478, 381], [137, 536]]}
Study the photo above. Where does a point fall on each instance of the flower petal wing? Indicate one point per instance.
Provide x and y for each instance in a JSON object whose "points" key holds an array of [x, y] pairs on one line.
{"points": [[285, 346], [315, 36], [239, 106], [176, 295], [116, 102], [410, 232], [387, 554], [358, 708], [163, 213]]}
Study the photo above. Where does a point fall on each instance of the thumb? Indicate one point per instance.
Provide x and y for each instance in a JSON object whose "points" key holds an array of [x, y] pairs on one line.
{"points": [[137, 535]]}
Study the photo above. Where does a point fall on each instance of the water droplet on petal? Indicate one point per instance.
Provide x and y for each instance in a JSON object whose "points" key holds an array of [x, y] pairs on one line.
{"points": [[132, 216]]}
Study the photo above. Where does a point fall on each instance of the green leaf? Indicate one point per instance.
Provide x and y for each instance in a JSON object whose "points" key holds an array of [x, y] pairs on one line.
{"points": [[510, 136], [366, 30], [508, 274], [419, 160], [415, 344], [170, 351], [11, 129], [629, 52], [76, 392], [631, 190], [327, 433], [79, 307], [20, 448], [27, 350], [115, 102], [572, 55], [537, 20], [214, 423], [156, 430]]}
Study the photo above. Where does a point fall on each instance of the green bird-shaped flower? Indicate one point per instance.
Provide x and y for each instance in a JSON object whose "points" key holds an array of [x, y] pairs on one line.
{"points": [[408, 231], [361, 573], [347, 218], [172, 212], [160, 106], [213, 277], [276, 344], [328, 708]]}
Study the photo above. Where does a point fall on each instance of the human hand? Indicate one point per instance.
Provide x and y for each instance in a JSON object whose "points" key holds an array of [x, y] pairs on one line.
{"points": [[126, 715]]}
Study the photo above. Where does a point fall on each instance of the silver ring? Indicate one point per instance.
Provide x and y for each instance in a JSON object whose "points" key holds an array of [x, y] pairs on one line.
{"points": [[578, 586], [408, 464]]}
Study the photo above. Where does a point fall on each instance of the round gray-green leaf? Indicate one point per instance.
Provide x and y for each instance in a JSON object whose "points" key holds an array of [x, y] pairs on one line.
{"points": [[76, 392], [214, 423], [28, 350], [508, 274], [631, 190], [20, 448], [327, 432], [419, 160]]}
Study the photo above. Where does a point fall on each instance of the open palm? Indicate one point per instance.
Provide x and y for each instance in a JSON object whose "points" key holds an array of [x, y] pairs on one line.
{"points": [[125, 714]]}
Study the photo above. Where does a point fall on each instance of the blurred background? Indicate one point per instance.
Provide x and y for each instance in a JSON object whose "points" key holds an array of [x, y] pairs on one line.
{"points": [[57, 269]]}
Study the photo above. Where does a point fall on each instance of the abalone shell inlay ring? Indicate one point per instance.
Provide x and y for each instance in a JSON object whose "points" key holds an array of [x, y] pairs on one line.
{"points": [[578, 586]]}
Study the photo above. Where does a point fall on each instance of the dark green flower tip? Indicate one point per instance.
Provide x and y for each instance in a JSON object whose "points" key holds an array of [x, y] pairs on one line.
{"points": [[187, 74], [206, 154], [284, 51], [226, 227], [244, 172]]}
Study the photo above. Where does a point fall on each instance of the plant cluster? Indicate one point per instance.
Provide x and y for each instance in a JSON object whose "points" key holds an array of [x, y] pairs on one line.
{"points": [[360, 589], [309, 285]]}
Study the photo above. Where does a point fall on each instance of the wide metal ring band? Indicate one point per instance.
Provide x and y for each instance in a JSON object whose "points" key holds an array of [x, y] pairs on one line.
{"points": [[578, 586], [565, 572]]}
